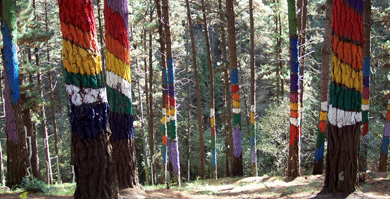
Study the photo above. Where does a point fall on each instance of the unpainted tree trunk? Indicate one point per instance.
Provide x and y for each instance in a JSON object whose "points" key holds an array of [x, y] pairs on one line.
{"points": [[188, 110]]}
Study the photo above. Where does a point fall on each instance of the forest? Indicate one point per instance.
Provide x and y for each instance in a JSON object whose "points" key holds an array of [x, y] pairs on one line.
{"points": [[165, 97]]}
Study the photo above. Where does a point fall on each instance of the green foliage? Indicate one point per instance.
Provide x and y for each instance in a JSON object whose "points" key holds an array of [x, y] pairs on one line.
{"points": [[31, 184]]}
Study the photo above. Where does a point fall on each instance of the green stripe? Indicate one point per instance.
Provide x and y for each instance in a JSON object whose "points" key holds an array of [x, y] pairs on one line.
{"points": [[252, 130], [236, 119], [172, 130], [9, 18], [292, 17], [364, 116], [344, 98], [118, 102], [85, 81], [320, 138]]}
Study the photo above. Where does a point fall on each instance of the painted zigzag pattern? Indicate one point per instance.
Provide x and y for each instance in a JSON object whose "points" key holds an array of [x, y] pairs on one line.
{"points": [[83, 71], [118, 75]]}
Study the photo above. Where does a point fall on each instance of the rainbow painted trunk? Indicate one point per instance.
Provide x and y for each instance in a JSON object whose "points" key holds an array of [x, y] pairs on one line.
{"points": [[366, 94], [118, 76], [385, 142], [11, 70], [319, 154], [213, 138], [83, 72], [165, 113], [237, 144], [253, 135]]}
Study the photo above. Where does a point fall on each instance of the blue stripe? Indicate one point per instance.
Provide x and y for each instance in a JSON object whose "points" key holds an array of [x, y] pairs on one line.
{"points": [[214, 153], [234, 76], [319, 153], [164, 152], [252, 142], [366, 66], [121, 125], [385, 145], [171, 72], [294, 55], [11, 64]]}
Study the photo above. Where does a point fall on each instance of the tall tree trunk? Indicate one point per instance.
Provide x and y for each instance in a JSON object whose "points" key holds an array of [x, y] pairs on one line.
{"points": [[212, 100], [172, 129], [253, 93], [188, 110], [96, 175], [151, 115], [345, 96], [319, 154], [277, 51], [237, 168], [119, 92], [366, 84], [385, 143], [17, 156], [2, 115], [295, 128], [101, 38], [197, 90], [164, 82], [228, 103]]}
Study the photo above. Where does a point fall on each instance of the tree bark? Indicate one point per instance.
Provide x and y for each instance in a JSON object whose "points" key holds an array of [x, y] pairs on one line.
{"points": [[237, 167], [197, 90], [385, 143], [345, 97], [319, 154], [188, 111]]}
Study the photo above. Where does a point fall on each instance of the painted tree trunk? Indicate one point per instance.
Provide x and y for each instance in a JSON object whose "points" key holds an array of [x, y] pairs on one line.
{"points": [[17, 156], [237, 167], [173, 146], [197, 91], [319, 153], [295, 118], [212, 100], [366, 84], [385, 143], [119, 91], [96, 175], [345, 91], [253, 93]]}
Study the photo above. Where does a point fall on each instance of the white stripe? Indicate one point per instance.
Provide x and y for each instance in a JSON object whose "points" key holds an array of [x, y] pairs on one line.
{"points": [[340, 118], [236, 110], [86, 95], [164, 111], [168, 119], [365, 107], [212, 112], [118, 83], [294, 121], [253, 108], [324, 106], [173, 117], [388, 102]]}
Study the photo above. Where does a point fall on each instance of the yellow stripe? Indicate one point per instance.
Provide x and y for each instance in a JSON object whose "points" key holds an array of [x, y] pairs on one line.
{"points": [[365, 101], [252, 117], [294, 106], [118, 67], [388, 107], [167, 112], [173, 111], [79, 60], [236, 104], [163, 120], [212, 121], [346, 75], [323, 115]]}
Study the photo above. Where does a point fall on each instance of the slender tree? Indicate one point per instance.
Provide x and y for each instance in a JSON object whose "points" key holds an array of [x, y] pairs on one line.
{"points": [[253, 92], [119, 91], [295, 127], [17, 156], [237, 169], [172, 128], [95, 171], [197, 91], [345, 96], [188, 111], [366, 84], [212, 100], [385, 143], [319, 154]]}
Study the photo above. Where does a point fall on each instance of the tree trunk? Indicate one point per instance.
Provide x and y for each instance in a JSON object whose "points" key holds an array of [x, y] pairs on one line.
{"points": [[197, 90], [119, 92], [295, 118], [253, 93], [385, 143], [3, 114], [366, 84], [165, 101], [188, 111], [95, 169], [237, 168], [345, 97], [151, 114], [319, 154], [101, 38], [212, 100], [172, 129]]}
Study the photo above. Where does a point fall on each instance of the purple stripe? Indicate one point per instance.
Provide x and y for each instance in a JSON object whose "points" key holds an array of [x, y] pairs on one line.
{"points": [[357, 4], [294, 82], [237, 145], [253, 156], [174, 155], [10, 125], [293, 97], [366, 81], [120, 7], [366, 92], [387, 129], [172, 90]]}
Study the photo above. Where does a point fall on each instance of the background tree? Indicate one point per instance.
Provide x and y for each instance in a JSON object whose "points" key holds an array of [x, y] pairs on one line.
{"points": [[345, 96]]}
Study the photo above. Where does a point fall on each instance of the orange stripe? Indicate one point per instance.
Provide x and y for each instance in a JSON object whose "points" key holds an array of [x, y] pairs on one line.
{"points": [[78, 36], [349, 53], [117, 49], [294, 114]]}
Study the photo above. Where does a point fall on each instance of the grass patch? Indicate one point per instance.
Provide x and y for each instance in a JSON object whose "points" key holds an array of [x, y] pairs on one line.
{"points": [[61, 189]]}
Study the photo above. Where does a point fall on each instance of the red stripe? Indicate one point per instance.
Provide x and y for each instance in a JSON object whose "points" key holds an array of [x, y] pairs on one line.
{"points": [[235, 88], [347, 23], [293, 134], [115, 26], [78, 13]]}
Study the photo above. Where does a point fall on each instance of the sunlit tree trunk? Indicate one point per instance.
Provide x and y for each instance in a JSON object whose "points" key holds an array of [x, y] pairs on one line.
{"points": [[96, 175], [17, 156], [188, 110], [319, 154], [119, 92], [237, 169], [345, 92]]}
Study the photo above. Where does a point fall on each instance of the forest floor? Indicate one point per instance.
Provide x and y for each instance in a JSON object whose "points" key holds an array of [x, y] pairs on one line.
{"points": [[376, 185]]}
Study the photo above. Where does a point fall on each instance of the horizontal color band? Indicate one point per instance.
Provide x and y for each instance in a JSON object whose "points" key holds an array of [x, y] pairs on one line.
{"points": [[341, 118], [86, 95], [118, 83]]}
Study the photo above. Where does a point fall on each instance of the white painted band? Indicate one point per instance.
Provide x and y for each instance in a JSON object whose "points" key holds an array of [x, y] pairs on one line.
{"points": [[253, 108], [86, 95], [365, 107], [294, 121], [173, 117], [340, 118], [164, 111], [324, 106], [212, 112], [118, 83], [236, 110]]}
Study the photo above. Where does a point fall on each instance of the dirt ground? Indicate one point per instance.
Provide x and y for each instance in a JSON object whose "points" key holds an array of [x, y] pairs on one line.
{"points": [[376, 186]]}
